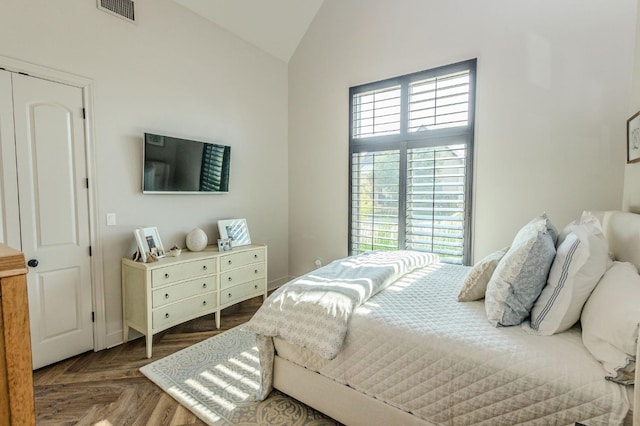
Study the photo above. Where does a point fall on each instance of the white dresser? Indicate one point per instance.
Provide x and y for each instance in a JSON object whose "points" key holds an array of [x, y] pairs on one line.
{"points": [[160, 295], [242, 275]]}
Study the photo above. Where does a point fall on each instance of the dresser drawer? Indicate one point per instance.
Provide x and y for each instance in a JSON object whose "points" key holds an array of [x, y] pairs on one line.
{"points": [[182, 271], [183, 290], [233, 294], [236, 260], [241, 275], [175, 312]]}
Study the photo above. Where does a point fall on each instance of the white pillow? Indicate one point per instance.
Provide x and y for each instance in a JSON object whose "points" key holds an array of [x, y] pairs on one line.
{"points": [[610, 321], [475, 283], [581, 259], [520, 275]]}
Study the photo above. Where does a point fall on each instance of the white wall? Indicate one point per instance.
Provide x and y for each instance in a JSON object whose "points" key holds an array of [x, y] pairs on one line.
{"points": [[552, 97], [631, 199], [173, 73]]}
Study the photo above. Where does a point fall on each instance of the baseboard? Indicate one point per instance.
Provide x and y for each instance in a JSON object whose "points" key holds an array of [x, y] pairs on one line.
{"points": [[115, 338], [273, 284]]}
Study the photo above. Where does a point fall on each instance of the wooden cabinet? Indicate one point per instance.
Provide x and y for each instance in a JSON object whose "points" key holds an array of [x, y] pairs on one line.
{"points": [[160, 295], [17, 404]]}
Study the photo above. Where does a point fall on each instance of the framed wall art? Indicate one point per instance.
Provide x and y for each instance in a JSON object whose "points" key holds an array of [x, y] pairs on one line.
{"points": [[633, 138], [149, 243], [235, 230]]}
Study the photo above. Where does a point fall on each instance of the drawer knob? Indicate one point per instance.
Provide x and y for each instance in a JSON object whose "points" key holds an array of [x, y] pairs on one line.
{"points": [[230, 279], [204, 285], [229, 261], [166, 295], [166, 315], [204, 303], [229, 294], [166, 275], [255, 256], [256, 286], [204, 267], [256, 271]]}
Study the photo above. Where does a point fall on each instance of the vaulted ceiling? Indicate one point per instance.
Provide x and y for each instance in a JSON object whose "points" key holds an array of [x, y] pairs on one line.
{"points": [[275, 26]]}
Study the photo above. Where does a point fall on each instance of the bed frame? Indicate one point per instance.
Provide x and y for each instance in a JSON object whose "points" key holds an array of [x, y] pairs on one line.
{"points": [[351, 407]]}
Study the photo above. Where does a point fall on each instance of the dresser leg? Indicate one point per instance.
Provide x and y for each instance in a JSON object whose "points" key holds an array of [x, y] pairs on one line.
{"points": [[217, 315], [125, 333], [149, 343]]}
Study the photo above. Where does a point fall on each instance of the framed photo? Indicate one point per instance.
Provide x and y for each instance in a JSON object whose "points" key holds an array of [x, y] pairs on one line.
{"points": [[224, 244], [633, 138], [235, 230], [149, 243]]}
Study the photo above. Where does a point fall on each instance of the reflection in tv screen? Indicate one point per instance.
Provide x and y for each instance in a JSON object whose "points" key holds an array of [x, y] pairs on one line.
{"points": [[182, 165]]}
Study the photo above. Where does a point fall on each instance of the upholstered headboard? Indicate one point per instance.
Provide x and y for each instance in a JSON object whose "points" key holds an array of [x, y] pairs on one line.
{"points": [[622, 230]]}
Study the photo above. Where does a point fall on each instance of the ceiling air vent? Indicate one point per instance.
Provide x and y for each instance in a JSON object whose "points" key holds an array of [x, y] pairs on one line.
{"points": [[120, 8]]}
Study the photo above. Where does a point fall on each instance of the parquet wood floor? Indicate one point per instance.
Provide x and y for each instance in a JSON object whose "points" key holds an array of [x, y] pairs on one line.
{"points": [[105, 388]]}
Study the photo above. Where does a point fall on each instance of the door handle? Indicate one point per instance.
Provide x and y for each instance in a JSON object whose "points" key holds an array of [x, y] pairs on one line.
{"points": [[33, 263]]}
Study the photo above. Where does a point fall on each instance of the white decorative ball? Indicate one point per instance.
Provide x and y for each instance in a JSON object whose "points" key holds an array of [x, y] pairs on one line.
{"points": [[197, 240]]}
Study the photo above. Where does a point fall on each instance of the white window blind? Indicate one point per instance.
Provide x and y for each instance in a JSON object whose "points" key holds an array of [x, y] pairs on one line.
{"points": [[376, 112], [439, 102], [411, 145], [436, 201], [375, 200]]}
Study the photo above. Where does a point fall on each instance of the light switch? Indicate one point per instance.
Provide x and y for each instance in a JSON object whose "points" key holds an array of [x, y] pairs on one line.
{"points": [[111, 219]]}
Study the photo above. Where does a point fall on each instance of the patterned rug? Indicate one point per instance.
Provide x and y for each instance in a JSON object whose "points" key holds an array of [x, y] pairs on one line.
{"points": [[217, 380]]}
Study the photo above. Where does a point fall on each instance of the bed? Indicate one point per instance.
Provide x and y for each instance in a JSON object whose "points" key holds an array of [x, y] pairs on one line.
{"points": [[408, 352]]}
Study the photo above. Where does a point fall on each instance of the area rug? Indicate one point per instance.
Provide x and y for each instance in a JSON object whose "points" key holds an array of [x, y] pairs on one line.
{"points": [[218, 380]]}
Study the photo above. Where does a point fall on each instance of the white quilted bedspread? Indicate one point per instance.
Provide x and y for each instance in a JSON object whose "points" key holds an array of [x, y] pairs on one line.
{"points": [[415, 347], [313, 311]]}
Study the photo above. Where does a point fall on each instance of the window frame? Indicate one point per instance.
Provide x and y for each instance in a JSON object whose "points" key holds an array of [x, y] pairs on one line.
{"points": [[405, 140]]}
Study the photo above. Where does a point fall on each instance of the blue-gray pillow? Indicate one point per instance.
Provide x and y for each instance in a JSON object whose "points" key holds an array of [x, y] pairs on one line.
{"points": [[520, 275], [551, 229]]}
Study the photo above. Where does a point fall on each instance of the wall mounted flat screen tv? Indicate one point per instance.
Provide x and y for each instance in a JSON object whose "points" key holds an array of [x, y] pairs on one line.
{"points": [[174, 165]]}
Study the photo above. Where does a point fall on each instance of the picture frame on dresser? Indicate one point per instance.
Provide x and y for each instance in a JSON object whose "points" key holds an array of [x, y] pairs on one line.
{"points": [[224, 244], [234, 230], [149, 243]]}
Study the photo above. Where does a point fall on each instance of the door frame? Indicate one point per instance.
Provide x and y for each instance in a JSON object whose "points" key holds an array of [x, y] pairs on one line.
{"points": [[86, 84]]}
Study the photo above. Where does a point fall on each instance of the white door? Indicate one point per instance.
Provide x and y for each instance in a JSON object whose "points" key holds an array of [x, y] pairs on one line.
{"points": [[9, 213], [54, 216]]}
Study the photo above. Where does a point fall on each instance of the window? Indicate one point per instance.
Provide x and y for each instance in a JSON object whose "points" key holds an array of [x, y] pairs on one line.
{"points": [[411, 149]]}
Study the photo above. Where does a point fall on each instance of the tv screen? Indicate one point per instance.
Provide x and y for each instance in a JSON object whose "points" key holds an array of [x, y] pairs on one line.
{"points": [[184, 166]]}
